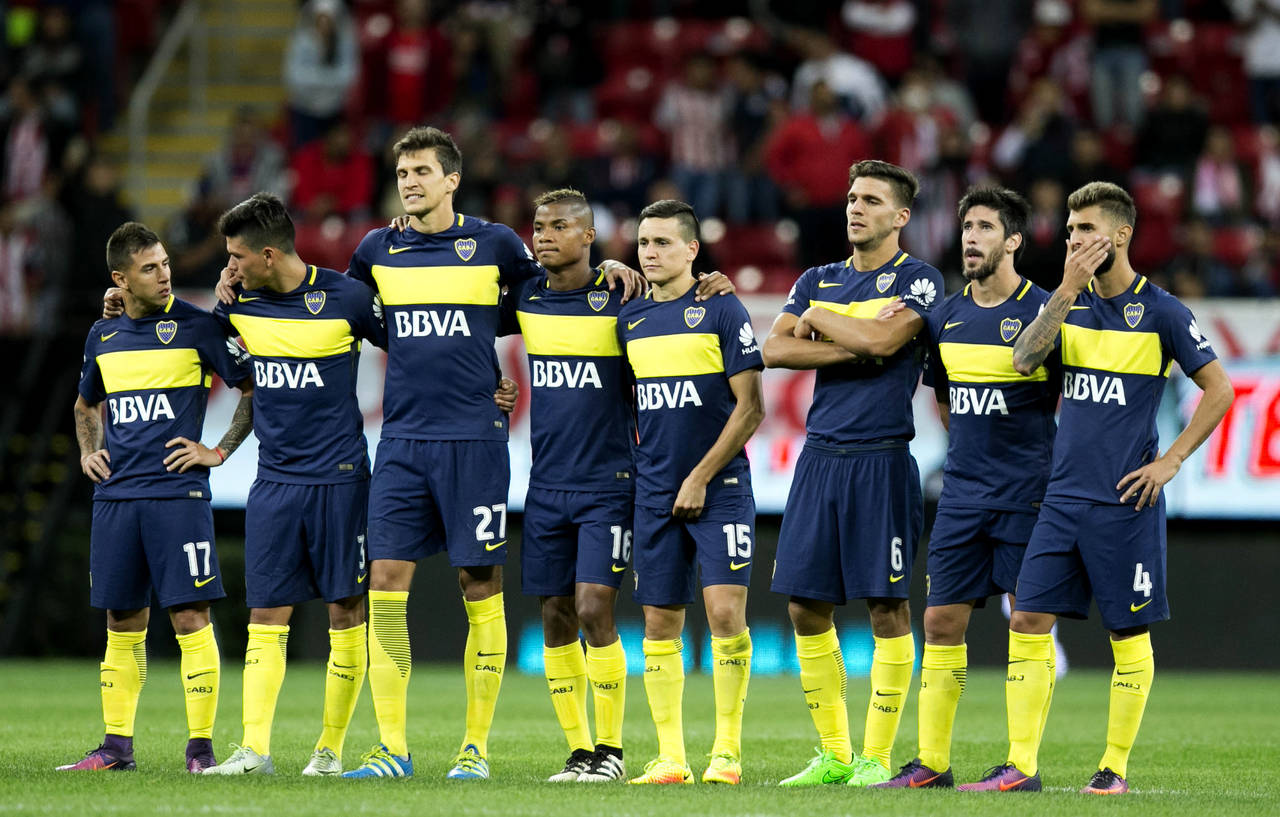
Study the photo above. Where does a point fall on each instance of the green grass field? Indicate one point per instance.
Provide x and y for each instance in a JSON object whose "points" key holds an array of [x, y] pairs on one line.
{"points": [[1210, 744]]}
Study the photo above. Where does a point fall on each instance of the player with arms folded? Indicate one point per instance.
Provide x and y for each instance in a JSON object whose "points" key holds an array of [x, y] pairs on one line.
{"points": [[698, 395], [152, 525], [1100, 534]]}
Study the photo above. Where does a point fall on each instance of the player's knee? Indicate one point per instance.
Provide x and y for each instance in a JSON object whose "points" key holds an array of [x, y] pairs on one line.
{"points": [[890, 618], [480, 582], [188, 620], [807, 619], [944, 626], [346, 613], [559, 621], [595, 612], [726, 618], [1027, 623], [128, 621]]}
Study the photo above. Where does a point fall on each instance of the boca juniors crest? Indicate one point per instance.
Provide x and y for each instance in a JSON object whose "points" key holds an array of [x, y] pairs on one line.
{"points": [[1009, 328], [314, 301], [1133, 314], [465, 248], [166, 331], [885, 280], [597, 299], [694, 315]]}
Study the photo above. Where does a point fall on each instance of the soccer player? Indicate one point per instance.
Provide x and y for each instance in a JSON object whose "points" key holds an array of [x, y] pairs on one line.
{"points": [[152, 524], [697, 371], [855, 509], [1001, 426], [578, 512], [305, 518], [1101, 531]]}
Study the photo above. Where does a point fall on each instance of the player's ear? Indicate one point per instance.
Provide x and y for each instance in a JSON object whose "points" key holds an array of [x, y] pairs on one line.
{"points": [[1013, 242], [452, 181], [1123, 234], [588, 236], [901, 218], [119, 279], [694, 246]]}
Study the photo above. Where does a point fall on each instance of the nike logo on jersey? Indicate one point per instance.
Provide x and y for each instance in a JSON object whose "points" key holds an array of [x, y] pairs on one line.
{"points": [[106, 338], [360, 579], [394, 250], [738, 565], [203, 582], [535, 297], [245, 300], [896, 578], [631, 325], [1135, 608], [950, 324], [1074, 308], [495, 545], [617, 568], [826, 285], [194, 675]]}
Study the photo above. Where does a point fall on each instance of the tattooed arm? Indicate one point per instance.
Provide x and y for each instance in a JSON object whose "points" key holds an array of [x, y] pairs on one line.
{"points": [[190, 452], [94, 459], [1037, 340]]}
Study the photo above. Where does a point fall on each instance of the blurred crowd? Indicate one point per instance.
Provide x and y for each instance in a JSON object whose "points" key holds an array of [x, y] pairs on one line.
{"points": [[752, 111]]}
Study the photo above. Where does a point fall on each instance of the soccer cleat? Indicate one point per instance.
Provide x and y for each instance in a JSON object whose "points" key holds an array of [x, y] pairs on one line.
{"points": [[724, 768], [101, 759], [200, 755], [916, 775], [379, 762], [323, 763], [662, 771], [867, 772], [1003, 778], [469, 765], [243, 761], [606, 765], [573, 767], [822, 769], [1106, 781]]}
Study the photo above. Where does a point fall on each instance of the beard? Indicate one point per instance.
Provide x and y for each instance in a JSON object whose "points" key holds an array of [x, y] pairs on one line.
{"points": [[1106, 264], [987, 268]]}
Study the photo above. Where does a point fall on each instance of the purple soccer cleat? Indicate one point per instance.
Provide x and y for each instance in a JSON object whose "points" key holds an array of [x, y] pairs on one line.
{"points": [[916, 775], [1004, 778], [1106, 781], [102, 759], [200, 755]]}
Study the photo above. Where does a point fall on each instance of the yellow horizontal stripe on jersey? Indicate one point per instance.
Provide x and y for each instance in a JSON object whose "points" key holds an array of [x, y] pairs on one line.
{"points": [[854, 309], [401, 286], [1111, 350], [293, 337], [570, 335], [683, 355], [984, 363], [139, 369]]}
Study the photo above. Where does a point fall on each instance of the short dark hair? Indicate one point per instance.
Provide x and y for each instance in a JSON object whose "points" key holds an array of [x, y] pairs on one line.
{"points": [[901, 181], [260, 221], [429, 138], [1013, 209], [1112, 198], [129, 238], [680, 211], [570, 196]]}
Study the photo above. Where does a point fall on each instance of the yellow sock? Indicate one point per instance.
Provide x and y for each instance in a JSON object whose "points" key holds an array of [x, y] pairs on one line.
{"points": [[1027, 688], [890, 678], [1053, 684], [566, 671], [730, 672], [201, 671], [390, 664], [348, 661], [943, 672], [607, 671], [122, 673], [664, 686], [485, 660], [823, 679], [1130, 686], [264, 662]]}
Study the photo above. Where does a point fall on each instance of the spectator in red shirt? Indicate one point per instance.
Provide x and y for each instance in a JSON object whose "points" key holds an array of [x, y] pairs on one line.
{"points": [[333, 176], [419, 78]]}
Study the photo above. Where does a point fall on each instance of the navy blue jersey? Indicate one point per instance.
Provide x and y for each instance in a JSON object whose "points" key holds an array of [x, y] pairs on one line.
{"points": [[154, 373], [682, 354], [440, 293], [306, 351], [581, 422], [1116, 357], [1001, 422], [867, 400]]}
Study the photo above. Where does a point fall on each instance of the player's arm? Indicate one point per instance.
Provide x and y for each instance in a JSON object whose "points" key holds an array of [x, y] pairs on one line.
{"points": [[506, 395], [944, 414], [1041, 337], [94, 457], [869, 337], [742, 423], [783, 350], [190, 453], [1146, 482]]}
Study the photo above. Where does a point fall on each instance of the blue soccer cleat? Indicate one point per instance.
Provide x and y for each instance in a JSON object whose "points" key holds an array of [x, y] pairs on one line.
{"points": [[379, 762], [469, 765]]}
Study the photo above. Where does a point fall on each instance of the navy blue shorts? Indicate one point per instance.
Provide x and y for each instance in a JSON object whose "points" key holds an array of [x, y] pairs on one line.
{"points": [[433, 495], [851, 525], [1111, 553], [135, 543], [574, 536], [975, 553], [304, 542], [670, 552]]}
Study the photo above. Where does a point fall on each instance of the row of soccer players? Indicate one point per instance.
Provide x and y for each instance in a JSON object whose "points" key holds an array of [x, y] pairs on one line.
{"points": [[855, 512]]}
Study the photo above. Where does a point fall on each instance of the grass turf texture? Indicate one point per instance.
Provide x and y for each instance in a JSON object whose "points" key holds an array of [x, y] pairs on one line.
{"points": [[1210, 744]]}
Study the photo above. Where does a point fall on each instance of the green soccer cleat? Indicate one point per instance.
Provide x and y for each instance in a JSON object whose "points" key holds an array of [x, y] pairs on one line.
{"points": [[324, 763], [243, 761], [823, 769], [868, 772]]}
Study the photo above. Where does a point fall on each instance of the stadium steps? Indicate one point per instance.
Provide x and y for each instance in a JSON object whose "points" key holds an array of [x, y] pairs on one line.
{"points": [[246, 44]]}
